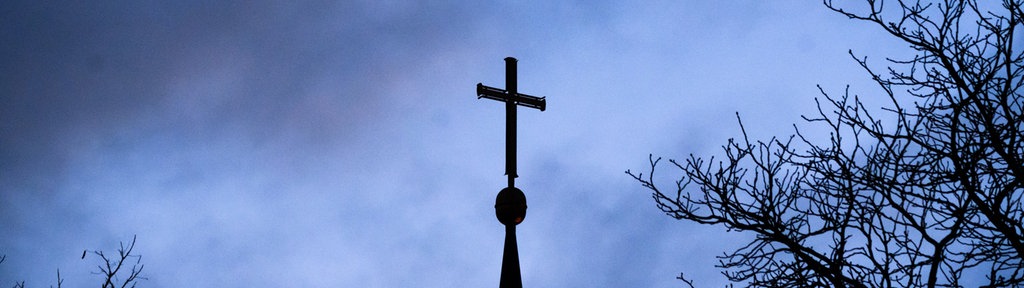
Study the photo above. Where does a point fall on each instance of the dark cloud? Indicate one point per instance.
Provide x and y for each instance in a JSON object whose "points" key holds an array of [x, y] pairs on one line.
{"points": [[79, 72], [145, 98]]}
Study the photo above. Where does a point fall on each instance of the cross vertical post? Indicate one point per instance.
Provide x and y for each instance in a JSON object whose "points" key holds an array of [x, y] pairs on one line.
{"points": [[510, 121]]}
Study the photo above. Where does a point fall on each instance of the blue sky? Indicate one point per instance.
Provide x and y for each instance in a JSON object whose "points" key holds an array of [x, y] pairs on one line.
{"points": [[323, 144]]}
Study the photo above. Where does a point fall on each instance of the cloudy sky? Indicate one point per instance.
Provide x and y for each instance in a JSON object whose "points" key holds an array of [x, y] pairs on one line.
{"points": [[341, 144]]}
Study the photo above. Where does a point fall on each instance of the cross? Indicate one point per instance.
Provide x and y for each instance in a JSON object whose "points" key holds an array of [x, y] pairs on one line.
{"points": [[510, 205], [511, 97]]}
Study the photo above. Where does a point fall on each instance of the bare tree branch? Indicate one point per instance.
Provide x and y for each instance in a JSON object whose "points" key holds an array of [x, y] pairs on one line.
{"points": [[111, 267], [924, 191]]}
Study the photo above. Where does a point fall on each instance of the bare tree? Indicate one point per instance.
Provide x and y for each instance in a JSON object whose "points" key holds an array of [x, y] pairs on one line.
{"points": [[112, 269], [925, 191], [112, 266]]}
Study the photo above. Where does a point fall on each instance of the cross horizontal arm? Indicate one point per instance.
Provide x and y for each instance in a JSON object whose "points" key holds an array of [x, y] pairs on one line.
{"points": [[521, 99]]}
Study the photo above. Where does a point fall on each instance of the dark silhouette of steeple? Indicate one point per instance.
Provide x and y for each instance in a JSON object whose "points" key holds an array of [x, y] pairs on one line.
{"points": [[510, 204]]}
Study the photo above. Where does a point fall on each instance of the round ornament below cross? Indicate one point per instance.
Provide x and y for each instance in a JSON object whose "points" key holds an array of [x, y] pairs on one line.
{"points": [[510, 206]]}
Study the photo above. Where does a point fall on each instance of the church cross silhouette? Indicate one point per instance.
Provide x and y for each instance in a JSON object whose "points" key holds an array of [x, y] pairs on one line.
{"points": [[510, 204]]}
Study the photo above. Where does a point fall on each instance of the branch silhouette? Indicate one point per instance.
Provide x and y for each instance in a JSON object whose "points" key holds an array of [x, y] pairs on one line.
{"points": [[111, 266], [114, 270], [925, 191]]}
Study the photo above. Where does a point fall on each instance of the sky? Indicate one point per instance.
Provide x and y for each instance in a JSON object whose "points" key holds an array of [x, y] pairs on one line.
{"points": [[341, 144]]}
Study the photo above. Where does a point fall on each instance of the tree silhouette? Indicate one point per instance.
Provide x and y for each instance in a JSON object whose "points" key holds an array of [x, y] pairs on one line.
{"points": [[112, 266], [114, 269], [925, 191]]}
